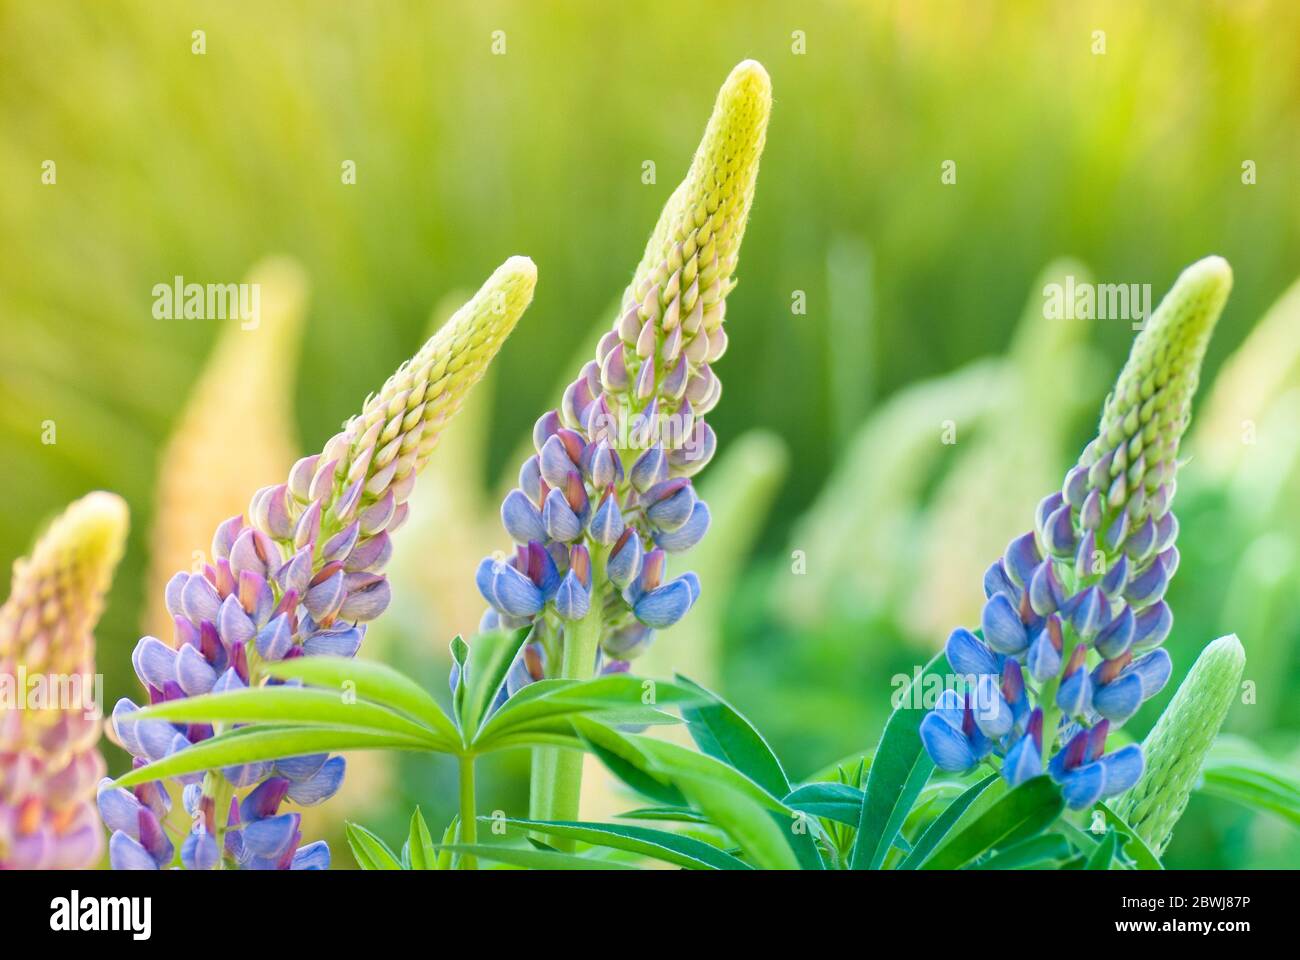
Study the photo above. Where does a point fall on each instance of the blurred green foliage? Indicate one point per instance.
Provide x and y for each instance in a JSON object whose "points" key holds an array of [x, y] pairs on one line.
{"points": [[171, 163]]}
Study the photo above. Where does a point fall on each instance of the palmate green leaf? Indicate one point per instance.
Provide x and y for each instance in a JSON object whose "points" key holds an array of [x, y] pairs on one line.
{"points": [[533, 859], [899, 769], [1024, 812], [723, 732], [483, 673], [250, 745], [423, 852], [290, 706], [449, 838], [370, 852], [375, 682], [760, 823], [662, 845], [944, 823], [546, 706], [833, 801], [1037, 851]]}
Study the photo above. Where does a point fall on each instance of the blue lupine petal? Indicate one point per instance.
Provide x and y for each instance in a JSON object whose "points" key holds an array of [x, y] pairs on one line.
{"points": [[1003, 629], [1023, 761], [1021, 559], [625, 563], [664, 606], [948, 748], [672, 512], [275, 639], [1074, 696], [1045, 590], [514, 593], [572, 599], [950, 708], [300, 768], [118, 808], [1082, 786], [199, 851], [992, 713], [1154, 669], [689, 534], [154, 662], [558, 518], [1043, 659], [314, 856], [193, 672], [555, 463], [522, 520], [1151, 627], [1119, 699], [1113, 641], [269, 837], [628, 642], [997, 581], [320, 786], [1086, 611], [649, 469], [1123, 769], [126, 854], [967, 654], [1149, 585], [607, 523], [334, 643]]}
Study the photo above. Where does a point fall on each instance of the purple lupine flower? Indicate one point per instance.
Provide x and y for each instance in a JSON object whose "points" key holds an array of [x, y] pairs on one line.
{"points": [[49, 745], [300, 576], [1075, 611], [608, 494]]}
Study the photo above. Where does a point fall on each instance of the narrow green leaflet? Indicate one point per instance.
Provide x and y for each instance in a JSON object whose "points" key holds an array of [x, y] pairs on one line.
{"points": [[533, 859], [665, 814], [369, 680], [423, 853], [763, 839], [1253, 781], [834, 801], [943, 824], [899, 768], [660, 844], [627, 762], [1104, 855], [1024, 812], [290, 705], [722, 732], [483, 674], [370, 852], [1050, 848], [1133, 845], [272, 743]]}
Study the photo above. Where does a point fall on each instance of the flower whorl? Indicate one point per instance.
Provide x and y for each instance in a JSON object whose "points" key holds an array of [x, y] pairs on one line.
{"points": [[49, 761]]}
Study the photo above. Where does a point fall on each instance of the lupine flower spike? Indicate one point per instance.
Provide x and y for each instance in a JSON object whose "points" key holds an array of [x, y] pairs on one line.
{"points": [[300, 575], [49, 760], [1071, 632], [608, 495]]}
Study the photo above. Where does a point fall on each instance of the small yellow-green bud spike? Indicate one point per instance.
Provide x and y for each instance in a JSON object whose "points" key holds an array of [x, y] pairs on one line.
{"points": [[1175, 750], [49, 764]]}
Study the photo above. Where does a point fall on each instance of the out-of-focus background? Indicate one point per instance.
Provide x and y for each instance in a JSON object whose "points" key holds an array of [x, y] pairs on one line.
{"points": [[881, 310]]}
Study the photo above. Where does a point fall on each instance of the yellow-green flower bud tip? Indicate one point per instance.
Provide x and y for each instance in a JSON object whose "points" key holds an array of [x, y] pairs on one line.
{"points": [[712, 203], [1149, 409]]}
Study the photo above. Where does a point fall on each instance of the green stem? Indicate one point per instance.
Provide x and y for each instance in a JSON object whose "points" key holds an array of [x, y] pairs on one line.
{"points": [[468, 821], [557, 772], [1047, 698]]}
